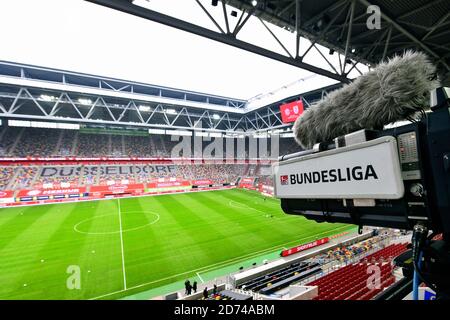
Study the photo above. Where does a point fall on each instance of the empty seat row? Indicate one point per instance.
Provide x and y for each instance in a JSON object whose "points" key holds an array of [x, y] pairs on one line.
{"points": [[352, 281]]}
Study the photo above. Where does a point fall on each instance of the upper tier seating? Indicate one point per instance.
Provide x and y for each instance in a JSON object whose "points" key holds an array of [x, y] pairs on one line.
{"points": [[38, 142]]}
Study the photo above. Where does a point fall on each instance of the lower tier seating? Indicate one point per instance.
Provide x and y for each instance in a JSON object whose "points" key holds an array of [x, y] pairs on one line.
{"points": [[352, 281], [281, 278]]}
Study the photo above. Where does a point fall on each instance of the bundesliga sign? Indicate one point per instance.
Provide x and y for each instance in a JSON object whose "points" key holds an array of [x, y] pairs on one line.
{"points": [[356, 173], [369, 170]]}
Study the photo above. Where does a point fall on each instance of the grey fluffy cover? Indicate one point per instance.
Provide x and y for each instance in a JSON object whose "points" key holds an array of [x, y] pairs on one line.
{"points": [[394, 90]]}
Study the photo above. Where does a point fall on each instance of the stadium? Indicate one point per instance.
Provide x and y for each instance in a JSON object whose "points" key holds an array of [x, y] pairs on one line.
{"points": [[116, 188]]}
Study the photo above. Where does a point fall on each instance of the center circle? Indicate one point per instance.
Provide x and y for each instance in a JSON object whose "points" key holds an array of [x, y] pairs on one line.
{"points": [[107, 221], [239, 205]]}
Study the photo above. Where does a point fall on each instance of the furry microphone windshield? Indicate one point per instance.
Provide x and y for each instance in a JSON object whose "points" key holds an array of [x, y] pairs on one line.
{"points": [[395, 90]]}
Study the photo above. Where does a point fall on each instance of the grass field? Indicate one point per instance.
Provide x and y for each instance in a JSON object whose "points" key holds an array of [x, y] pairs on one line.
{"points": [[129, 245]]}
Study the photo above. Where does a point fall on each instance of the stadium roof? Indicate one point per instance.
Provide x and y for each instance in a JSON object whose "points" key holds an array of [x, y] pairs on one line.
{"points": [[68, 78], [339, 25], [38, 93]]}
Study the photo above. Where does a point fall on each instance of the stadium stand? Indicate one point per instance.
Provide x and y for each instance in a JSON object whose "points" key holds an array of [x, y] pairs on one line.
{"points": [[105, 179], [73, 176], [346, 253], [38, 142], [387, 253], [25, 178], [350, 282], [217, 173], [93, 145], [6, 174], [138, 146], [8, 138], [266, 180], [89, 178], [339, 272], [50, 182], [66, 143], [117, 145]]}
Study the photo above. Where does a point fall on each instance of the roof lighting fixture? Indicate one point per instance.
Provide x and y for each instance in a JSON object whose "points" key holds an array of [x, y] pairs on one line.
{"points": [[144, 108], [84, 101], [46, 97]]}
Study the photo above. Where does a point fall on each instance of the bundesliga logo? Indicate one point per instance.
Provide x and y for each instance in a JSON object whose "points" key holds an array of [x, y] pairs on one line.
{"points": [[284, 180]]}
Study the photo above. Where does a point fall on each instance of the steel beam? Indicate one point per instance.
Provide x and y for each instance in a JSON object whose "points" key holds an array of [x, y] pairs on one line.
{"points": [[297, 27], [406, 33], [276, 38], [386, 44], [349, 34], [127, 7], [210, 16], [421, 8]]}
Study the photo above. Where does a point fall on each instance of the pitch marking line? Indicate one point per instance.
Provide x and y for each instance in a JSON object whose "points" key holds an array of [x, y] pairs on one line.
{"points": [[121, 247], [77, 229], [216, 265], [239, 205], [198, 275]]}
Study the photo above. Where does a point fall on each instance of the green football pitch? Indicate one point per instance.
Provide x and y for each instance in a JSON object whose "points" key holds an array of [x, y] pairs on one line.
{"points": [[116, 248]]}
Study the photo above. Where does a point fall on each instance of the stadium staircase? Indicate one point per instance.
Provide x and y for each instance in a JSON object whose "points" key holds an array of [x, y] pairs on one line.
{"points": [[122, 144], [3, 150], [58, 144], [110, 146], [350, 282], [35, 177], [13, 179], [16, 142], [74, 144], [80, 179]]}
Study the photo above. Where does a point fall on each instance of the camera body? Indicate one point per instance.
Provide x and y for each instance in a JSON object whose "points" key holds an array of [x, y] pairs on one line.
{"points": [[391, 178]]}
